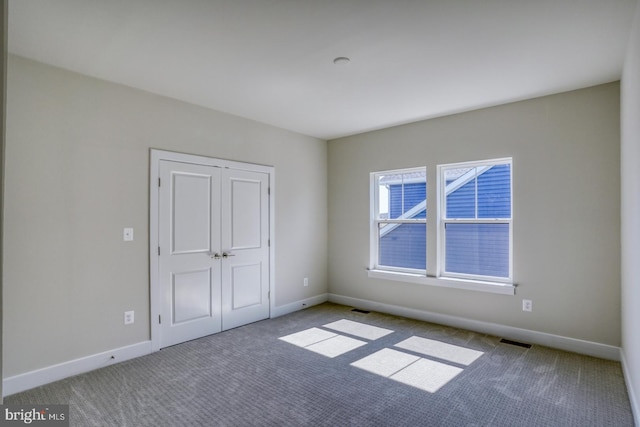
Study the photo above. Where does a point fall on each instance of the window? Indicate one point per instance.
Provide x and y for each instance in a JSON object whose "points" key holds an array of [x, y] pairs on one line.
{"points": [[473, 249], [399, 220], [475, 220]]}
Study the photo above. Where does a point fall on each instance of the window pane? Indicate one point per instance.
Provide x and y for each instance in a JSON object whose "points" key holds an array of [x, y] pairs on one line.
{"points": [[402, 195], [480, 249], [383, 197], [494, 192], [461, 192], [403, 245]]}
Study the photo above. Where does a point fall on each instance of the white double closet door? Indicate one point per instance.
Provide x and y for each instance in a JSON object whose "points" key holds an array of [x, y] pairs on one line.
{"points": [[213, 249]]}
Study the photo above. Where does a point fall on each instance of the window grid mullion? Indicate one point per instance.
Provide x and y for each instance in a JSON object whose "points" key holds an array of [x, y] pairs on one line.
{"points": [[402, 197], [475, 195]]}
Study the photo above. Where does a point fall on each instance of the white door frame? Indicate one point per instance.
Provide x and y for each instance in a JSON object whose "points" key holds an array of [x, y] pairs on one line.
{"points": [[154, 241]]}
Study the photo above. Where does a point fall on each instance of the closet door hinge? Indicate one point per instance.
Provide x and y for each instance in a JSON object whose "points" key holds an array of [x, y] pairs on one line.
{"points": [[159, 319], [158, 250], [158, 182]]}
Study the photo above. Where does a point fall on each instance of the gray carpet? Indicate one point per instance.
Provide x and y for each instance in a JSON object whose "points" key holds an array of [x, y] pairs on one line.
{"points": [[249, 377]]}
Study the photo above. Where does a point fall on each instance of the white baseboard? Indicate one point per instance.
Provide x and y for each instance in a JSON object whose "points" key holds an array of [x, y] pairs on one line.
{"points": [[29, 380], [589, 348], [299, 305], [633, 396]]}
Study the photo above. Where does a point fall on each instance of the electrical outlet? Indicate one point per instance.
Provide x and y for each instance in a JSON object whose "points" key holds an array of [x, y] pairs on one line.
{"points": [[306, 281], [127, 234], [527, 305], [128, 317]]}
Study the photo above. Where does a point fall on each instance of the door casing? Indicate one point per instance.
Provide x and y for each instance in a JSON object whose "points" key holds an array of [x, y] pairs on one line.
{"points": [[154, 241]]}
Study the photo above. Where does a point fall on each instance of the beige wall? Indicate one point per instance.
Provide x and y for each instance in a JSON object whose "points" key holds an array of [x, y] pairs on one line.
{"points": [[78, 172], [566, 159], [630, 171]]}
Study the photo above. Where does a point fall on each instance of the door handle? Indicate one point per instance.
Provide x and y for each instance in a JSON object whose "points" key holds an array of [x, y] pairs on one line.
{"points": [[227, 255], [214, 255]]}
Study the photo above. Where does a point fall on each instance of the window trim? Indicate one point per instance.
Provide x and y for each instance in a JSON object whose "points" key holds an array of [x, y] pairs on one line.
{"points": [[442, 221], [489, 284], [374, 223]]}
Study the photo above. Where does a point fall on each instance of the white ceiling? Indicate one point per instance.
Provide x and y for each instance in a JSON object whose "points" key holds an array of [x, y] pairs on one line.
{"points": [[272, 60]]}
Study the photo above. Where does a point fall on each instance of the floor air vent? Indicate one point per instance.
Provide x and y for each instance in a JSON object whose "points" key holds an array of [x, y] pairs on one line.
{"points": [[519, 344], [357, 310]]}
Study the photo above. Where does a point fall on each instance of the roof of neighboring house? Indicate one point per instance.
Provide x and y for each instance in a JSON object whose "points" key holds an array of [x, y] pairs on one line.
{"points": [[407, 178]]}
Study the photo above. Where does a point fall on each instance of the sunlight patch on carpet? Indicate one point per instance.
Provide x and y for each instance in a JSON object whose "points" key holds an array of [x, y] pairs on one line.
{"points": [[308, 337], [385, 362], [358, 329], [452, 353], [427, 375], [323, 342], [336, 346]]}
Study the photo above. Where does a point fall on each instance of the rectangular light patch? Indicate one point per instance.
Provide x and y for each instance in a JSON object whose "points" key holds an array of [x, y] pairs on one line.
{"points": [[335, 346], [358, 329], [427, 375], [308, 337], [385, 362], [452, 353]]}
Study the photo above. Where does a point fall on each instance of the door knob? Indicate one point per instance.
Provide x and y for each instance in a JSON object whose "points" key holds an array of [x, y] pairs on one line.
{"points": [[215, 255], [226, 255]]}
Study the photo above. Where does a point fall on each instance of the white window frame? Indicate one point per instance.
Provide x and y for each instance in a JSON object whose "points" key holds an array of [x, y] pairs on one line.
{"points": [[432, 276], [375, 222], [443, 221]]}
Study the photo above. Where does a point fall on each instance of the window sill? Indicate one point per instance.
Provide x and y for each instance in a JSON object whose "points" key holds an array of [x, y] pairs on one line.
{"points": [[469, 285]]}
